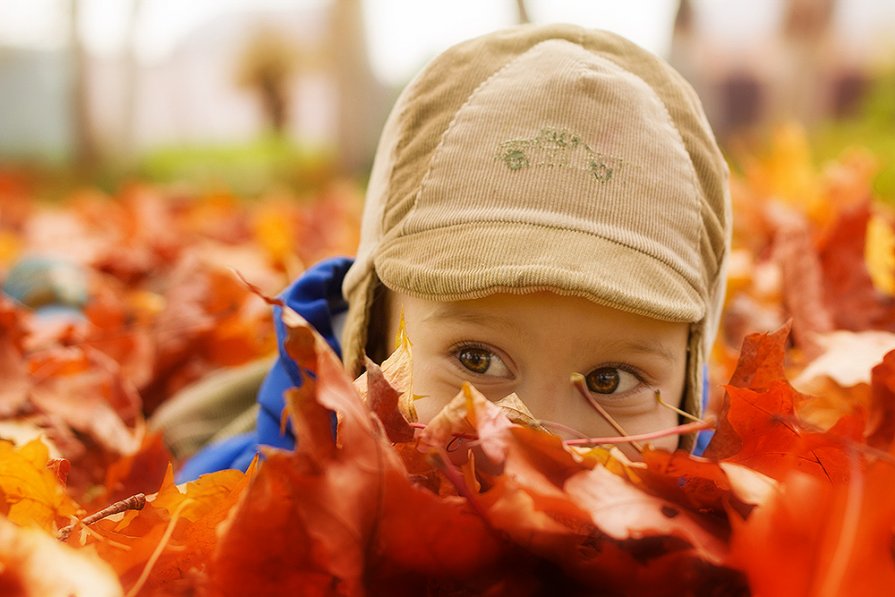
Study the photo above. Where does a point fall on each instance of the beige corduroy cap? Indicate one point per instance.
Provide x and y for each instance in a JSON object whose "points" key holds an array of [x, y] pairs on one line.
{"points": [[548, 158]]}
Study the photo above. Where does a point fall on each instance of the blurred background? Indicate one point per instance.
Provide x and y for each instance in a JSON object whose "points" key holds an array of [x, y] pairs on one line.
{"points": [[249, 93]]}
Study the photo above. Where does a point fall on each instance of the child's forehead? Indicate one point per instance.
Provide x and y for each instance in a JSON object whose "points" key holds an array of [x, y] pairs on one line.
{"points": [[544, 321], [525, 310]]}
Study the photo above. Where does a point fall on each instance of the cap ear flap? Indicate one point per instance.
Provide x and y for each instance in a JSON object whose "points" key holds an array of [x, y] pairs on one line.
{"points": [[355, 334], [694, 381]]}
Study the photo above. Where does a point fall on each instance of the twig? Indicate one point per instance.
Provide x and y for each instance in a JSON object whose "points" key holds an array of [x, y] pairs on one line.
{"points": [[682, 413], [134, 502], [645, 437], [580, 385]]}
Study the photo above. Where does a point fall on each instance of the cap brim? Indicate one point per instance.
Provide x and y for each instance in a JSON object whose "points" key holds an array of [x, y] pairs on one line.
{"points": [[472, 260]]}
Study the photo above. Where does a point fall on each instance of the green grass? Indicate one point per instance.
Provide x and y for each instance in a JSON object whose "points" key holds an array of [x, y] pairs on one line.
{"points": [[245, 169]]}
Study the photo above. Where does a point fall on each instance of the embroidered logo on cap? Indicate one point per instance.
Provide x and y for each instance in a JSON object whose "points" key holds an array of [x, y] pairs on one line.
{"points": [[555, 148]]}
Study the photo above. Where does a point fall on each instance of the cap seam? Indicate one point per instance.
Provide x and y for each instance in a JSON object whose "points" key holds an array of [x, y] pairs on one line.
{"points": [[425, 178], [674, 126]]}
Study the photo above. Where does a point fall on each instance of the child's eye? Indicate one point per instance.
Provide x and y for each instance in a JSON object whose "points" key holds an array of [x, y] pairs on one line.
{"points": [[482, 361], [611, 380]]}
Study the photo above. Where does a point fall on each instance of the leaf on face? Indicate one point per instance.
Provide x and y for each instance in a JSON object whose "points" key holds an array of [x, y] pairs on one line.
{"points": [[384, 400], [626, 512], [424, 534], [397, 370], [469, 416], [517, 412], [692, 482]]}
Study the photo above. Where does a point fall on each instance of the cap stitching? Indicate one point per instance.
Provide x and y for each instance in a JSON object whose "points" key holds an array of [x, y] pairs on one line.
{"points": [[425, 178], [694, 175]]}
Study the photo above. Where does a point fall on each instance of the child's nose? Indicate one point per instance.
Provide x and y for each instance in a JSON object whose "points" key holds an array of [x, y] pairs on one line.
{"points": [[553, 400]]}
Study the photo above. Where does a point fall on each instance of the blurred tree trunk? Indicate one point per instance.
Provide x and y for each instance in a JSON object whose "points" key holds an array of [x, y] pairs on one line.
{"points": [[809, 49], [266, 66], [85, 150], [131, 82], [359, 93], [522, 13]]}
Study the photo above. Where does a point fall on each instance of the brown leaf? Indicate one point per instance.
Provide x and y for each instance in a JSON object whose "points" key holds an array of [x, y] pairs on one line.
{"points": [[881, 418], [383, 399]]}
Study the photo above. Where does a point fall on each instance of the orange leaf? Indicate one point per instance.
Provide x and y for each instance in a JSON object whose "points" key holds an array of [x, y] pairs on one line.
{"points": [[818, 539]]}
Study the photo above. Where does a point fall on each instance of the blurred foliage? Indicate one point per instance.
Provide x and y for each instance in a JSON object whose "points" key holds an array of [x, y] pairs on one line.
{"points": [[872, 128]]}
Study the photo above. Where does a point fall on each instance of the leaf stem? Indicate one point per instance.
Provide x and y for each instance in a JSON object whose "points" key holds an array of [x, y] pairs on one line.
{"points": [[580, 385], [682, 413], [645, 437]]}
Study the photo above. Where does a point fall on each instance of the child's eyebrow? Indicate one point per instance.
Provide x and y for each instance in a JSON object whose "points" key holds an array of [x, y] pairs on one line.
{"points": [[638, 346], [452, 313]]}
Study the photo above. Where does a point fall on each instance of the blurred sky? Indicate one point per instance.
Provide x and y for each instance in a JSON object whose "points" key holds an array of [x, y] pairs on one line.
{"points": [[404, 33], [400, 33]]}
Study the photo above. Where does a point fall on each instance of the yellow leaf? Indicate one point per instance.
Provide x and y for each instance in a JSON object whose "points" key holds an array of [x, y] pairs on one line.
{"points": [[273, 232], [398, 370], [38, 564], [33, 494], [879, 254]]}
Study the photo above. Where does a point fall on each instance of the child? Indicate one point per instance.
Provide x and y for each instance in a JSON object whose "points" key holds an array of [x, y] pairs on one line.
{"points": [[545, 200]]}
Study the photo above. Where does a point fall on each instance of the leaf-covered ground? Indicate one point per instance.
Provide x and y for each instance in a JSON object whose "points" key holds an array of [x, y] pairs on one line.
{"points": [[792, 497]]}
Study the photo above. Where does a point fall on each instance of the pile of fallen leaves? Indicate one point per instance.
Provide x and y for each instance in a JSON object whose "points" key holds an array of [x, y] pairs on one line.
{"points": [[474, 504], [792, 496], [164, 304]]}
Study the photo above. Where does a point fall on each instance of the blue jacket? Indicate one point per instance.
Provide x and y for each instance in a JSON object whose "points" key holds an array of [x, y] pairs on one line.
{"points": [[316, 296]]}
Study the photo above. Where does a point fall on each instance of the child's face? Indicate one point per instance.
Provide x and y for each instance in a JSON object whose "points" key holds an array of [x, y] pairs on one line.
{"points": [[531, 344]]}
